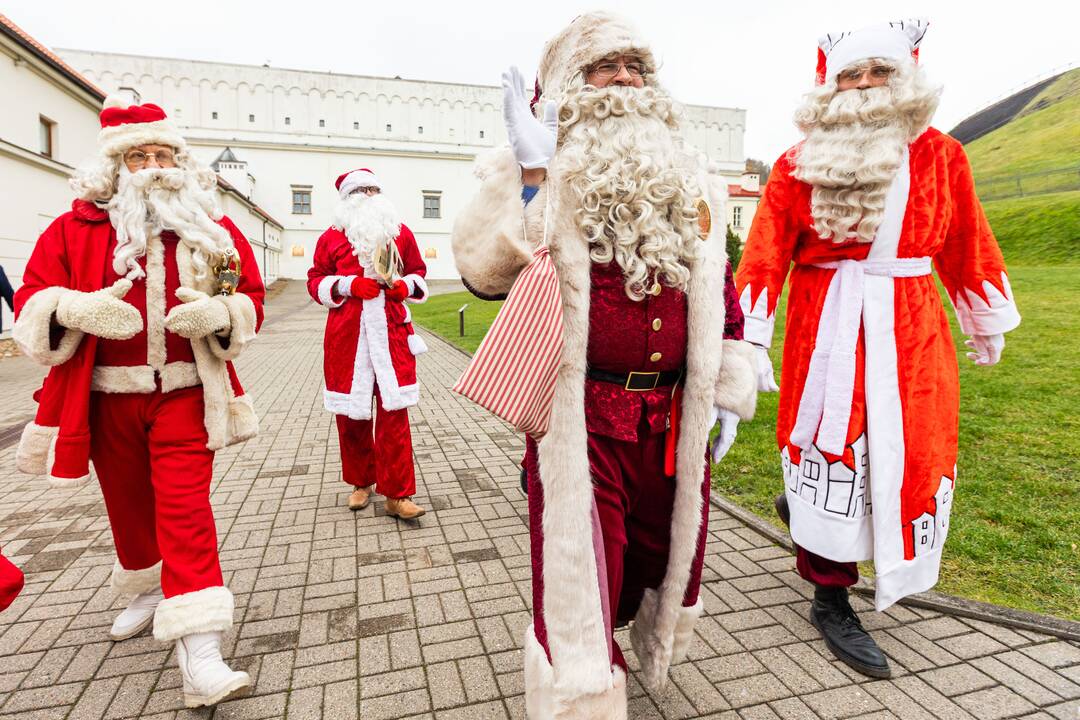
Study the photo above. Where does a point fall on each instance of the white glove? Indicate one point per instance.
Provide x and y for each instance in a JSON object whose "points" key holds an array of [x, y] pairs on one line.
{"points": [[101, 313], [729, 426], [199, 316], [533, 141], [987, 348], [766, 380]]}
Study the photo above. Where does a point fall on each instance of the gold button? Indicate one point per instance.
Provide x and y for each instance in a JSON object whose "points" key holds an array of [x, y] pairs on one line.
{"points": [[656, 324], [655, 289], [655, 357]]}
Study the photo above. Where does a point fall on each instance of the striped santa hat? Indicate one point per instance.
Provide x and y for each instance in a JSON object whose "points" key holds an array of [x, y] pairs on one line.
{"points": [[898, 41], [348, 182], [124, 126]]}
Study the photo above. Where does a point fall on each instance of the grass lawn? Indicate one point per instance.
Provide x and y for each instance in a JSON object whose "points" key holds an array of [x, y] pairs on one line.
{"points": [[1040, 229], [440, 315]]}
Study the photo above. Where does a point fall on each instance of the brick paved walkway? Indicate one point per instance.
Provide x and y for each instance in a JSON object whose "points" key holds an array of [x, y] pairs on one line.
{"points": [[344, 615]]}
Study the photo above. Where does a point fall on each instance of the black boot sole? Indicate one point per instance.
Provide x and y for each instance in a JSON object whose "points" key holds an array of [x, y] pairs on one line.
{"points": [[873, 671], [782, 509]]}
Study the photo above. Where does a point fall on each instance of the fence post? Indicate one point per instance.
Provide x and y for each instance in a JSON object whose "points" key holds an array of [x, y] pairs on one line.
{"points": [[461, 320]]}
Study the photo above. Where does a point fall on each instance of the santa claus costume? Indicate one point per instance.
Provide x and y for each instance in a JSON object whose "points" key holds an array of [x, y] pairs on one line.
{"points": [[11, 582], [618, 486], [865, 207], [121, 300], [370, 345]]}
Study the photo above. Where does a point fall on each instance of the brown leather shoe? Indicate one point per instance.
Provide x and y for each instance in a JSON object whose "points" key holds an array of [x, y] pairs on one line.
{"points": [[359, 498], [403, 508]]}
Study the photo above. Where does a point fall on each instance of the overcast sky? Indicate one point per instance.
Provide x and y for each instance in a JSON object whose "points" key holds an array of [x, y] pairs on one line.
{"points": [[754, 54]]}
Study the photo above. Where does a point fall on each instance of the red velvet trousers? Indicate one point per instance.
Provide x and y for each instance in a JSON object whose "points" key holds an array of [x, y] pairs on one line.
{"points": [[378, 452], [634, 501], [11, 583], [149, 451], [823, 571]]}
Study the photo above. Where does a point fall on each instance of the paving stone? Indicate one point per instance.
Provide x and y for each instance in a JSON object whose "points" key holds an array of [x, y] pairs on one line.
{"points": [[993, 703]]}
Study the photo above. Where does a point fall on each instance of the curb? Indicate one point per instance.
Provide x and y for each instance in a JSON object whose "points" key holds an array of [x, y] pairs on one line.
{"points": [[938, 602]]}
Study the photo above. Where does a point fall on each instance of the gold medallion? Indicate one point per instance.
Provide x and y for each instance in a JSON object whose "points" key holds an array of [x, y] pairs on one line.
{"points": [[704, 219]]}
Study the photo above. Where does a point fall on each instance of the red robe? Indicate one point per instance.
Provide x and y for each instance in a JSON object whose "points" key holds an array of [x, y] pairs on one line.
{"points": [[367, 341], [869, 395]]}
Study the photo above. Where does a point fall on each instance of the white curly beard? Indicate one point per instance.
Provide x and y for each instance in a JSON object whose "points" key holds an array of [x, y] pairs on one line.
{"points": [[622, 155], [368, 222]]}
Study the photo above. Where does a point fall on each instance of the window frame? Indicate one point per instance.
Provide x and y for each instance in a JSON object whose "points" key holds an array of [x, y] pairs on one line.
{"points": [[298, 204], [434, 210], [47, 137]]}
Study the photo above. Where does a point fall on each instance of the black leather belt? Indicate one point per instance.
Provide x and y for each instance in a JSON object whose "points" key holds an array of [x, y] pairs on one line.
{"points": [[637, 381]]}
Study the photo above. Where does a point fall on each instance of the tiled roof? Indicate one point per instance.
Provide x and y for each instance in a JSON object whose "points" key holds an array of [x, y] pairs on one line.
{"points": [[737, 191], [20, 36]]}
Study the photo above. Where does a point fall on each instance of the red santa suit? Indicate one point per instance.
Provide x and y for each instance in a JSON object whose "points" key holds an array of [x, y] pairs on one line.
{"points": [[150, 410], [369, 354], [869, 396], [11, 582]]}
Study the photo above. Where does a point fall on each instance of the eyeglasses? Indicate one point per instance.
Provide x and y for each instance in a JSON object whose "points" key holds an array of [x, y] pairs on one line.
{"points": [[369, 190], [876, 71], [138, 158], [609, 69]]}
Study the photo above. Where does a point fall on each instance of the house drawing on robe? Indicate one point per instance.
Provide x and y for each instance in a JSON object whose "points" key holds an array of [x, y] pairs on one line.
{"points": [[831, 486], [928, 531]]}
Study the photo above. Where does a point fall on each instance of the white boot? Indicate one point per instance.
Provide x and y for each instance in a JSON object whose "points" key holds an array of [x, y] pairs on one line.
{"points": [[207, 679], [137, 616]]}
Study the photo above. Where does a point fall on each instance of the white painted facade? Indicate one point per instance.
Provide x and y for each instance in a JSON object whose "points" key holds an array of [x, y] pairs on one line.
{"points": [[300, 129]]}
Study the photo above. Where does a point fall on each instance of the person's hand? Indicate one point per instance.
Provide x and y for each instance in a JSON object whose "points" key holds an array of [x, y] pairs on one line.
{"points": [[987, 348], [398, 291], [729, 426], [199, 316], [533, 141], [766, 377], [364, 288], [102, 313]]}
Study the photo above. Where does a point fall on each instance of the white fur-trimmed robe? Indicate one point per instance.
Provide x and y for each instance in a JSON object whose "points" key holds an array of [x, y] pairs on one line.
{"points": [[490, 250]]}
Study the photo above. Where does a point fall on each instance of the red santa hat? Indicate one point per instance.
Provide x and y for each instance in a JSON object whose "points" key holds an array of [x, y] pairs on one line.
{"points": [[124, 126], [898, 40], [349, 182]]}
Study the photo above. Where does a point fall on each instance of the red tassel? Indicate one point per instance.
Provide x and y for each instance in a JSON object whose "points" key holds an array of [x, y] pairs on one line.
{"points": [[671, 439]]}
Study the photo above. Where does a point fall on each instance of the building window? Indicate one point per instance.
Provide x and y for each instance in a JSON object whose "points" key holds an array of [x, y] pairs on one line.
{"points": [[736, 216], [356, 126], [288, 120], [213, 115], [47, 134], [251, 118], [322, 123], [432, 204], [481, 134], [301, 200], [420, 130], [431, 254], [387, 127]]}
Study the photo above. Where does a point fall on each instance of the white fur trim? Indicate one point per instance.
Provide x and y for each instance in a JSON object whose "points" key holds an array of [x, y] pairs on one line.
{"points": [[326, 288], [684, 630], [243, 422], [643, 631], [206, 610], [545, 701], [736, 388], [242, 321], [135, 582], [979, 317], [893, 41], [117, 139], [123, 379], [32, 330], [356, 180], [31, 456], [61, 483], [155, 304], [344, 287], [757, 322], [178, 375], [414, 282], [417, 346]]}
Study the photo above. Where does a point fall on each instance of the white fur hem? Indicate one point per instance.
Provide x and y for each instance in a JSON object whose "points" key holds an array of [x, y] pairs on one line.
{"points": [[414, 283], [135, 582], [31, 456], [242, 320], [417, 345], [33, 329], [656, 654], [736, 387], [243, 421], [545, 701], [206, 610]]}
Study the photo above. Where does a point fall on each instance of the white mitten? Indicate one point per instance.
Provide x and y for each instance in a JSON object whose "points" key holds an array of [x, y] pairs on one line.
{"points": [[199, 316], [729, 427], [766, 377], [101, 313], [533, 141], [987, 348]]}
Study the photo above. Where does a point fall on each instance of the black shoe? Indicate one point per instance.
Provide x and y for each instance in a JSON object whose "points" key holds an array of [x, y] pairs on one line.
{"points": [[524, 482], [780, 503], [839, 626]]}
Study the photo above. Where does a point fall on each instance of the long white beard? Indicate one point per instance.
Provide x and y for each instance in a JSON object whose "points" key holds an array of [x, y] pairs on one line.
{"points": [[622, 155], [368, 222], [855, 142], [156, 199]]}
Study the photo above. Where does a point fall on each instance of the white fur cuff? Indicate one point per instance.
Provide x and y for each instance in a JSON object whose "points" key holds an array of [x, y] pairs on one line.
{"points": [[32, 455], [684, 630], [736, 386], [414, 283], [543, 701], [326, 291], [206, 610], [243, 422], [417, 345], [242, 320], [32, 331], [135, 582]]}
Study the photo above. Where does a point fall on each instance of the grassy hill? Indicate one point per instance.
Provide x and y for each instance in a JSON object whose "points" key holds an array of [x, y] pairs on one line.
{"points": [[1038, 230], [1043, 136]]}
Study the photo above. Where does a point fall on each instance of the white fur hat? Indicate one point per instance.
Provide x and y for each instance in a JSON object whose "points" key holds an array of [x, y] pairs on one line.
{"points": [[124, 126], [588, 38], [898, 40]]}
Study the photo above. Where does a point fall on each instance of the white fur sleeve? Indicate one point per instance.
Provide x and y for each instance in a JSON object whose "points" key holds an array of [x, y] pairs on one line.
{"points": [[736, 388]]}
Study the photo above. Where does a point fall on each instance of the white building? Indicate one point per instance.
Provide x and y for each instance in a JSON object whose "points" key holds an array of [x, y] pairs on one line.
{"points": [[296, 131]]}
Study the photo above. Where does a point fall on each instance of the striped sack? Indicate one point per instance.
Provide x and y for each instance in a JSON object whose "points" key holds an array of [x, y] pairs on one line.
{"points": [[513, 372]]}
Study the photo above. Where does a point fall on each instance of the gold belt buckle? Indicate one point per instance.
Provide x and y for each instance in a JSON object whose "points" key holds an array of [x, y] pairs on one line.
{"points": [[630, 379]]}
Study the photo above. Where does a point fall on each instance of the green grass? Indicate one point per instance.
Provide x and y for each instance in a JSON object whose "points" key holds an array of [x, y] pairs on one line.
{"points": [[1042, 137], [1013, 536], [440, 315], [1044, 229]]}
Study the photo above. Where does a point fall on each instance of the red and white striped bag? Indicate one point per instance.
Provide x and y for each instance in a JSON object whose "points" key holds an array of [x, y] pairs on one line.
{"points": [[513, 371]]}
